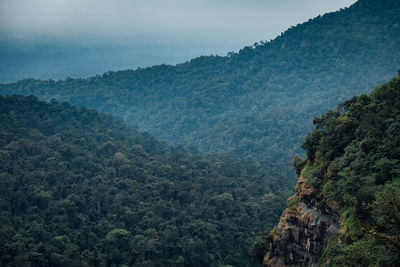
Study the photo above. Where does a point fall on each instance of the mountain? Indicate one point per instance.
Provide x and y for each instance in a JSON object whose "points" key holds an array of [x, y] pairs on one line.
{"points": [[257, 103], [56, 57], [79, 188], [346, 211]]}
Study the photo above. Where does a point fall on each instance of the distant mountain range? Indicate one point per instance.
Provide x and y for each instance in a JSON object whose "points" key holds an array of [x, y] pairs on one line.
{"points": [[257, 103], [47, 57]]}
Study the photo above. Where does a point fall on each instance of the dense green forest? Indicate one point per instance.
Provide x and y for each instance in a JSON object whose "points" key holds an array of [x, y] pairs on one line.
{"points": [[82, 188], [79, 188], [353, 158], [356, 153], [257, 103]]}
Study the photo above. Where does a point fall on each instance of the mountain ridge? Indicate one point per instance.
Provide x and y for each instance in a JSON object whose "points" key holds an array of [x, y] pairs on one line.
{"points": [[237, 104]]}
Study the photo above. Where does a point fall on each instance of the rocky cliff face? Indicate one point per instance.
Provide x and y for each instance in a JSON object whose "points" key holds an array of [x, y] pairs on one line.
{"points": [[304, 229]]}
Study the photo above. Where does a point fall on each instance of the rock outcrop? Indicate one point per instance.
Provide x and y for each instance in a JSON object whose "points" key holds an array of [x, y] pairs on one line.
{"points": [[304, 229]]}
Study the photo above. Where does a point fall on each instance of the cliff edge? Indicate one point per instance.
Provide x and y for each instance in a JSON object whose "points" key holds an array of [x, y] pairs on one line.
{"points": [[304, 229], [346, 210]]}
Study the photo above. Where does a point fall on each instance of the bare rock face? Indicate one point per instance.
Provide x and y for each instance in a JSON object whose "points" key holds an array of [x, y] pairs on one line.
{"points": [[304, 229]]}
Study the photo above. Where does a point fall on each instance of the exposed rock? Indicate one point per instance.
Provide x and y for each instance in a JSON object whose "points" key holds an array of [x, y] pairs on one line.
{"points": [[304, 229]]}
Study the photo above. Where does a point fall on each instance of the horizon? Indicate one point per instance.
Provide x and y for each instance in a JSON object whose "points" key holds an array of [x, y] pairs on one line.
{"points": [[175, 22], [40, 40]]}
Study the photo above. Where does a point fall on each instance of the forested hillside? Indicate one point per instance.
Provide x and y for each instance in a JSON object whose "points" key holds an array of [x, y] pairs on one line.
{"points": [[78, 188], [257, 103], [352, 169]]}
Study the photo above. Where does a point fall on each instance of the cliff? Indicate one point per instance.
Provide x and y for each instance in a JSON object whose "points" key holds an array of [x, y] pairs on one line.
{"points": [[304, 229], [346, 210]]}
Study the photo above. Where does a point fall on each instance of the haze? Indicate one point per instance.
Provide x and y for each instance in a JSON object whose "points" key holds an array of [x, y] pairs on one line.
{"points": [[140, 33]]}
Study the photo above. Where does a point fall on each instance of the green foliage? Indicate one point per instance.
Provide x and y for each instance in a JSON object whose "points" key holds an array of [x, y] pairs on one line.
{"points": [[257, 103], [367, 251], [298, 164], [312, 174], [354, 158], [349, 225], [387, 169], [292, 203], [386, 210], [259, 249], [78, 188]]}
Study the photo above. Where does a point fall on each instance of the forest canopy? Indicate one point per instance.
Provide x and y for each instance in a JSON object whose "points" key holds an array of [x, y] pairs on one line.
{"points": [[79, 188], [258, 103], [355, 152]]}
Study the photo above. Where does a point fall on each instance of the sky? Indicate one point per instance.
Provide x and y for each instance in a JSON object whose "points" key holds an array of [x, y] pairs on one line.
{"points": [[243, 21], [80, 38]]}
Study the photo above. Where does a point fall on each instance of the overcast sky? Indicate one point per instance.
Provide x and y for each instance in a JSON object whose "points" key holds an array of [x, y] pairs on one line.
{"points": [[229, 20]]}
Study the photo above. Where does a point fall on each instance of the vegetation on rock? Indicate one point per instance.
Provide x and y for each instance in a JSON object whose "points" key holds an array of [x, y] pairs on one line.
{"points": [[353, 159]]}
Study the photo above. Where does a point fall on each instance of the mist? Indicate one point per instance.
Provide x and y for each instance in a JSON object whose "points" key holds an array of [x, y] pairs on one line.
{"points": [[53, 36], [232, 21]]}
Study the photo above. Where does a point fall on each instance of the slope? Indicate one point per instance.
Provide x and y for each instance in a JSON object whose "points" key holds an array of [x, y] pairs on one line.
{"points": [[347, 208], [78, 188], [257, 103]]}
